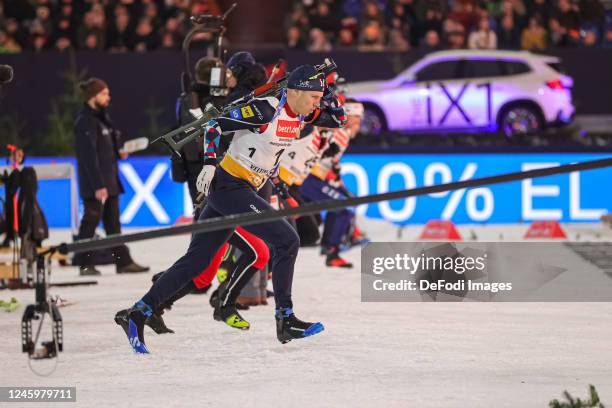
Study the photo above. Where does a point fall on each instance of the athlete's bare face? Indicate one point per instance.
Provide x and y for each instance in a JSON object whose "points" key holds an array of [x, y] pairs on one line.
{"points": [[303, 102]]}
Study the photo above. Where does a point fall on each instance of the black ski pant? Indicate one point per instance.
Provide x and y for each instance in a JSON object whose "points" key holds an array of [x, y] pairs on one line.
{"points": [[231, 195]]}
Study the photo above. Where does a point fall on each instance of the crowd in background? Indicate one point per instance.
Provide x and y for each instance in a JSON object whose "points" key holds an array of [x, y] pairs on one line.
{"points": [[399, 25], [113, 25], [313, 25]]}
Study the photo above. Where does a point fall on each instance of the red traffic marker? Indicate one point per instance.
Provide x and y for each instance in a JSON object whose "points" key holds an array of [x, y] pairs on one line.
{"points": [[545, 229], [437, 230]]}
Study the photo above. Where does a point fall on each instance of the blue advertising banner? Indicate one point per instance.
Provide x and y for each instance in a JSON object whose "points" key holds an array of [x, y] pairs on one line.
{"points": [[574, 197], [153, 199]]}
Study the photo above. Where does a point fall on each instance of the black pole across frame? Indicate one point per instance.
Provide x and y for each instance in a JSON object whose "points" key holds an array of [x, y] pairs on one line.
{"points": [[231, 221]]}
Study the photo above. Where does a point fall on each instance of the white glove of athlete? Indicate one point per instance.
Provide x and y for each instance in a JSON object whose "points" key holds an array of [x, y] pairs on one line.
{"points": [[205, 178]]}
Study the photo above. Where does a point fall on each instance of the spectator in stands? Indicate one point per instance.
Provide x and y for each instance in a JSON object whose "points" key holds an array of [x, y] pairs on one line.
{"points": [[439, 6], [299, 18], [431, 41], [39, 42], [319, 41], [295, 41], [508, 37], [351, 17], [8, 45], [91, 43], [397, 42], [371, 13], [454, 34], [168, 42], [64, 29], [172, 28], [43, 17], [607, 37], [400, 15], [120, 35], [16, 33], [122, 9], [323, 19], [93, 23], [176, 8], [432, 21], [540, 8], [518, 8], [152, 14], [145, 39], [66, 11], [63, 44], [484, 38], [567, 15], [508, 10], [38, 37], [465, 14], [592, 11], [372, 37], [589, 36], [346, 38], [352, 9], [558, 34], [483, 12], [534, 35]]}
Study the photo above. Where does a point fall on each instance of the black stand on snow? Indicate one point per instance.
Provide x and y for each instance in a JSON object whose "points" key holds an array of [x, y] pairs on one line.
{"points": [[44, 306]]}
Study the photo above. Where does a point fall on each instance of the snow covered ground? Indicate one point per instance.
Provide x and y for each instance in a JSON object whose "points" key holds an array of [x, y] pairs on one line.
{"points": [[370, 354]]}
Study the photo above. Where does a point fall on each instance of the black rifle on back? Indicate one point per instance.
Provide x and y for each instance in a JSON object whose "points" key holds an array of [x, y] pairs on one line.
{"points": [[177, 138]]}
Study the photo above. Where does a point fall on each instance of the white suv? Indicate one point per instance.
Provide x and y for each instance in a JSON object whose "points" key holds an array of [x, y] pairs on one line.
{"points": [[515, 92]]}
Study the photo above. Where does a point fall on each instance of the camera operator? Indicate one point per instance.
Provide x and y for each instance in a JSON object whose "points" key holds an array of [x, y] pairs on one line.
{"points": [[243, 75], [97, 145], [188, 166]]}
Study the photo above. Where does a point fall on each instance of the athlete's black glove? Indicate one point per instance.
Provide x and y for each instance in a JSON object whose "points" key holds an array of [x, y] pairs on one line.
{"points": [[332, 150], [280, 188]]}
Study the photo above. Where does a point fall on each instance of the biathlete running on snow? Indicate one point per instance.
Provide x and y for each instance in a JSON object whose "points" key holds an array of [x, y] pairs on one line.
{"points": [[263, 130], [254, 252]]}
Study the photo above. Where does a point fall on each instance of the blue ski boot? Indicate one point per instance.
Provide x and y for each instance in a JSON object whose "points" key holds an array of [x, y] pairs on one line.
{"points": [[137, 317], [155, 322], [289, 327]]}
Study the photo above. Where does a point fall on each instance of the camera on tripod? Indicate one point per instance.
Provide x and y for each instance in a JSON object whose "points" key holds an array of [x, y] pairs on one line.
{"points": [[37, 312]]}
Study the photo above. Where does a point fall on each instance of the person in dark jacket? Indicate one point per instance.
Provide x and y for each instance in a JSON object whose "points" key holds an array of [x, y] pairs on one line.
{"points": [[188, 166], [97, 145], [244, 75]]}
